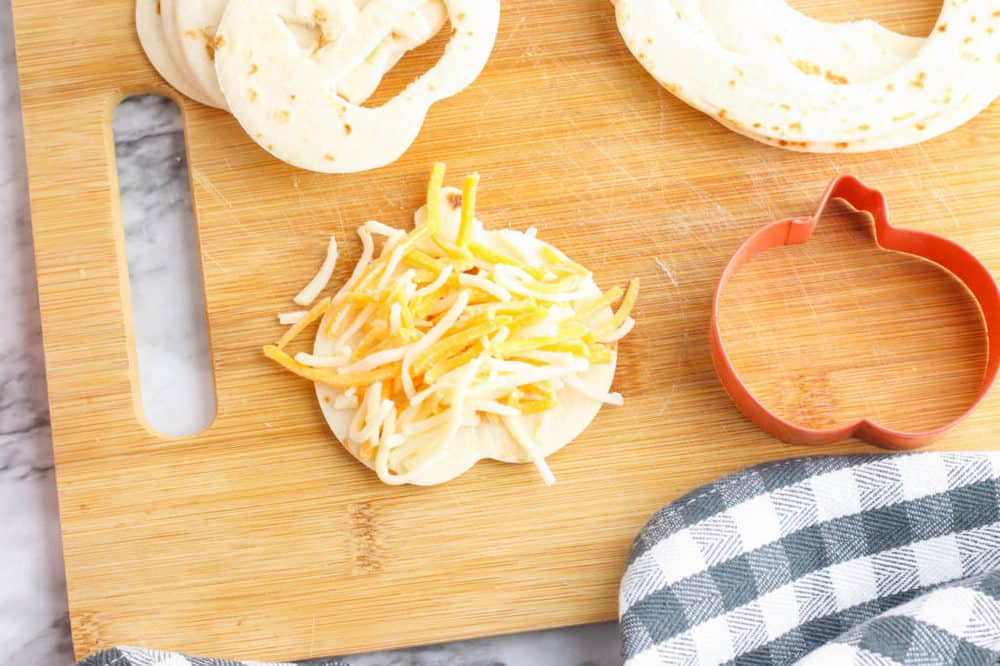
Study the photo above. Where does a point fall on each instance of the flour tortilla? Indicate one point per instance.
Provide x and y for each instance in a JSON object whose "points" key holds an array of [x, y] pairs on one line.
{"points": [[551, 430], [414, 29], [284, 95], [149, 26], [794, 97], [858, 51], [191, 26]]}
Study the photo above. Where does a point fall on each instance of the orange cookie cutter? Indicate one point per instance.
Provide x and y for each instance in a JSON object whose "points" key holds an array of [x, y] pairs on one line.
{"points": [[946, 253]]}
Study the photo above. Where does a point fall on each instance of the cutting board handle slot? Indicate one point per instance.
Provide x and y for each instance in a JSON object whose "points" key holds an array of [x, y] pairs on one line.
{"points": [[163, 290]]}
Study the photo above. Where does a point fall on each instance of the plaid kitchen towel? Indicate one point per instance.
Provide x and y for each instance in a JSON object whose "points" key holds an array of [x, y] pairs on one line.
{"points": [[874, 560], [126, 656]]}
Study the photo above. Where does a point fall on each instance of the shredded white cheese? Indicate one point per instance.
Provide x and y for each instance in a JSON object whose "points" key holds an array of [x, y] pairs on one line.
{"points": [[290, 318], [312, 290]]}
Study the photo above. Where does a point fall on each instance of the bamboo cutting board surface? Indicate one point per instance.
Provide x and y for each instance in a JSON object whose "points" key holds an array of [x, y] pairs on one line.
{"points": [[261, 538]]}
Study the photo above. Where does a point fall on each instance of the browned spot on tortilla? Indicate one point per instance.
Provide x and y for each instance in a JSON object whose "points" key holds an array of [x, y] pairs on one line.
{"points": [[454, 200], [786, 107], [836, 79], [996, 13], [973, 18], [254, 69], [921, 126], [919, 81], [159, 12], [321, 44], [460, 17], [284, 116], [270, 147], [210, 51], [642, 55], [732, 83], [795, 127], [782, 143], [252, 94], [192, 34], [347, 128], [756, 125], [943, 27], [905, 116], [864, 127], [292, 98], [219, 42], [328, 157], [967, 40], [809, 68], [841, 145], [319, 15], [775, 128], [649, 40], [798, 144], [890, 87], [672, 88], [326, 399], [723, 114]]}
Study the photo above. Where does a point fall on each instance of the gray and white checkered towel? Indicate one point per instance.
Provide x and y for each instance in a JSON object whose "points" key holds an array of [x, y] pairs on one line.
{"points": [[873, 560]]}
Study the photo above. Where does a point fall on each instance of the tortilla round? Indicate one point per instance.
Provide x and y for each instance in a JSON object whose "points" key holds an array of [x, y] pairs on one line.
{"points": [[285, 96], [551, 430], [191, 26], [829, 88], [149, 26]]}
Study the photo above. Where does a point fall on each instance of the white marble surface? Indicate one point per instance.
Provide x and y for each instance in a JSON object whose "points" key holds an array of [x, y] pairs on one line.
{"points": [[34, 629]]}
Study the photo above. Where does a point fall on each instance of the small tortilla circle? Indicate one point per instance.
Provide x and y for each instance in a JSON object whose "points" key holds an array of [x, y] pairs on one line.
{"points": [[149, 26], [552, 430], [192, 25]]}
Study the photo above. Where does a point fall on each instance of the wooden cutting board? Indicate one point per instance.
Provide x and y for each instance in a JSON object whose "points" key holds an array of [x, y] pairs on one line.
{"points": [[262, 538]]}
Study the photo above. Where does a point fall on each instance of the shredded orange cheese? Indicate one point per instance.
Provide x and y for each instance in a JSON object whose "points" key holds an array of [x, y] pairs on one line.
{"points": [[447, 326]]}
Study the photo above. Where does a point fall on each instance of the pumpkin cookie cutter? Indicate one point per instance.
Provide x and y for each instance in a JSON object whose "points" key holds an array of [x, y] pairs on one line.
{"points": [[946, 253]]}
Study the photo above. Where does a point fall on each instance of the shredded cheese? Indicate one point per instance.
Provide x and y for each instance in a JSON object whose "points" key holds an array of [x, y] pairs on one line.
{"points": [[468, 210], [532, 449], [289, 318], [312, 290], [313, 361], [449, 325], [315, 313]]}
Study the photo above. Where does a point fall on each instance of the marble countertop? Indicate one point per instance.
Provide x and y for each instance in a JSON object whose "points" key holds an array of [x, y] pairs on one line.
{"points": [[34, 623]]}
